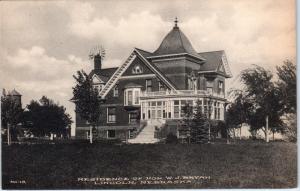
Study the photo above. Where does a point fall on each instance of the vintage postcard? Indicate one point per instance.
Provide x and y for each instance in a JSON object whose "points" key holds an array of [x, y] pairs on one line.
{"points": [[160, 94]]}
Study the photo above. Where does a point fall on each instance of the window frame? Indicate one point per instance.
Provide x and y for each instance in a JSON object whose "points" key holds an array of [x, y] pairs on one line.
{"points": [[110, 137], [108, 115], [161, 87], [135, 96], [149, 85], [116, 91], [134, 69]]}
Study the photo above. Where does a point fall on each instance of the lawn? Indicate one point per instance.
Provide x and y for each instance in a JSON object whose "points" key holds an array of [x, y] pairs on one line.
{"points": [[248, 164]]}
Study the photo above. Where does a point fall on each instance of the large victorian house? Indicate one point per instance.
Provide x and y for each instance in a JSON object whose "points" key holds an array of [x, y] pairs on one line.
{"points": [[150, 89]]}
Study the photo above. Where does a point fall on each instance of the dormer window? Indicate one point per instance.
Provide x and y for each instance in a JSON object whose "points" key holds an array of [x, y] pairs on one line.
{"points": [[137, 69]]}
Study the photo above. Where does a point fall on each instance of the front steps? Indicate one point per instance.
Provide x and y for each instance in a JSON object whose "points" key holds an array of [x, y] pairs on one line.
{"points": [[146, 136]]}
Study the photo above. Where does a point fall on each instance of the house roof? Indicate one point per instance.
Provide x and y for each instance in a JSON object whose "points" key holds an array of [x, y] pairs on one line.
{"points": [[175, 43], [212, 60], [104, 74], [160, 75], [144, 53]]}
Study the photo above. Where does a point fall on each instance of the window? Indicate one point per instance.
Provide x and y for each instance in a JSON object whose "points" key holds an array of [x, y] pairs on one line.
{"points": [[161, 86], [111, 115], [149, 85], [209, 90], [216, 113], [129, 97], [136, 97], [116, 91], [159, 114], [111, 134], [209, 86], [192, 84], [132, 96], [176, 109], [153, 114], [182, 108], [221, 84], [164, 114], [137, 69], [133, 118]]}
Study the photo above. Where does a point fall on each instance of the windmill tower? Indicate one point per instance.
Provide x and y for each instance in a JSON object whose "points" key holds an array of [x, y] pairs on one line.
{"points": [[97, 54]]}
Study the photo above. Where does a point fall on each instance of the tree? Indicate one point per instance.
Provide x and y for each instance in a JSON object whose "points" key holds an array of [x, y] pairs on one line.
{"points": [[291, 127], [44, 117], [199, 125], [263, 94], [238, 111], [11, 112], [87, 100], [186, 122], [287, 85]]}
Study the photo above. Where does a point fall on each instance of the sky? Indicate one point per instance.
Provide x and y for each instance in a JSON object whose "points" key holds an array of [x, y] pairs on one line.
{"points": [[43, 43]]}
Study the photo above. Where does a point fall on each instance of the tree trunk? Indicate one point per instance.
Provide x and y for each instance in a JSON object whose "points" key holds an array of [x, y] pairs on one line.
{"points": [[8, 135], [267, 129], [273, 136], [91, 134]]}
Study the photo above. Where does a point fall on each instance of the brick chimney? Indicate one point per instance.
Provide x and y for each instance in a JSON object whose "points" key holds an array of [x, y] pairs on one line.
{"points": [[97, 62]]}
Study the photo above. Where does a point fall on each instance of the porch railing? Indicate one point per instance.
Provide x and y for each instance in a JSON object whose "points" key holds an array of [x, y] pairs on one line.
{"points": [[181, 92]]}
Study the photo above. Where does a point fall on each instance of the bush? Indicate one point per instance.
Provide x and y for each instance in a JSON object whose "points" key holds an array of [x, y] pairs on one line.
{"points": [[171, 139]]}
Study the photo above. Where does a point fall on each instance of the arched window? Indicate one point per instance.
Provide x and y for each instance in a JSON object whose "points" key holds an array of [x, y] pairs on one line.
{"points": [[137, 69]]}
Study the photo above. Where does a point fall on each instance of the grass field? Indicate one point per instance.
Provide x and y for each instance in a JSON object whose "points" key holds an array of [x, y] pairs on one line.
{"points": [[244, 165]]}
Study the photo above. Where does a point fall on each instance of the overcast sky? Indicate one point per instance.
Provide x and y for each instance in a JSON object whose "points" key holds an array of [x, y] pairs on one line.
{"points": [[44, 43]]}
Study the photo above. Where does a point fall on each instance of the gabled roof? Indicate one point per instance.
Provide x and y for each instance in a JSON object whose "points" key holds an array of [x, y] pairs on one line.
{"points": [[213, 60], [175, 43], [159, 74], [144, 53], [104, 74]]}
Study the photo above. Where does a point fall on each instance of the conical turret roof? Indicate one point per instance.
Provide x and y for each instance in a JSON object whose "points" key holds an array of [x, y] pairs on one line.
{"points": [[175, 43]]}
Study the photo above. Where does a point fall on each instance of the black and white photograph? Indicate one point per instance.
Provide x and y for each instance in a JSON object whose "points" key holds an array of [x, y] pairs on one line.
{"points": [[152, 94]]}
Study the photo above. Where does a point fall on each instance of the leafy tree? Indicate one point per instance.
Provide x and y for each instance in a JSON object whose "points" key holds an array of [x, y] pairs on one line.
{"points": [[287, 85], [46, 117], [263, 94], [291, 127], [11, 112], [238, 111], [87, 100]]}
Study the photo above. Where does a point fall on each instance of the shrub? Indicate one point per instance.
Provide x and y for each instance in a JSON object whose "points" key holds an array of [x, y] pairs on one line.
{"points": [[171, 139]]}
